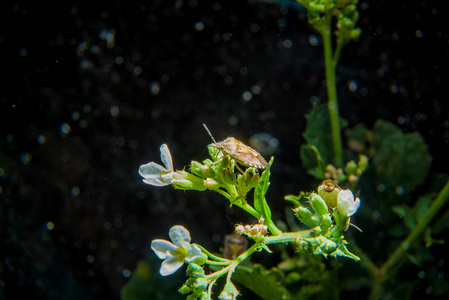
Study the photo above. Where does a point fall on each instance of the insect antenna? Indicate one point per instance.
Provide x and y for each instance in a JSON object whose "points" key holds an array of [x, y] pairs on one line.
{"points": [[356, 227], [207, 129]]}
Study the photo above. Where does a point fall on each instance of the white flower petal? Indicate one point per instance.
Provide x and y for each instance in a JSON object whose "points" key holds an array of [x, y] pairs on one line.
{"points": [[346, 196], [151, 169], [193, 252], [167, 177], [353, 209], [179, 235], [170, 266], [156, 181], [163, 249], [166, 157], [346, 204]]}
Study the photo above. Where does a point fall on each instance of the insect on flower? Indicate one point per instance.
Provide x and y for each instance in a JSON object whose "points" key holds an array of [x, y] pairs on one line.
{"points": [[240, 152]]}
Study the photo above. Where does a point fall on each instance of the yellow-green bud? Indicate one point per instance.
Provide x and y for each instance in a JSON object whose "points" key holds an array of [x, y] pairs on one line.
{"points": [[194, 270], [351, 167], [186, 181], [329, 190], [201, 283], [303, 214], [211, 184], [184, 289], [363, 162], [318, 205], [196, 168]]}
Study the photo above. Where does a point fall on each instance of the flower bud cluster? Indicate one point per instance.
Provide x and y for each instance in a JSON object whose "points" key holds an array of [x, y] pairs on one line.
{"points": [[350, 173], [321, 245], [220, 174], [328, 214], [252, 230], [196, 285], [347, 19]]}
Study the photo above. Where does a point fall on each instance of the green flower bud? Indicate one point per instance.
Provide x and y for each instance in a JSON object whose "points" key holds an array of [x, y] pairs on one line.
{"points": [[317, 230], [211, 184], [351, 167], [355, 33], [204, 296], [303, 214], [208, 170], [349, 10], [229, 292], [314, 221], [184, 290], [318, 205], [363, 161], [207, 162], [201, 283], [194, 270], [196, 168], [326, 222], [316, 7], [186, 181], [329, 190]]}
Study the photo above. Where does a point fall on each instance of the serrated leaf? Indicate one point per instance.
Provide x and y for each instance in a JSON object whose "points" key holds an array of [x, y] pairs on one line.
{"points": [[260, 203], [402, 161], [318, 132], [267, 284], [312, 161]]}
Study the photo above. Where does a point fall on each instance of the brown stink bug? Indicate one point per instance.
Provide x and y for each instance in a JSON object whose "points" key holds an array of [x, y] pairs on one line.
{"points": [[241, 153]]}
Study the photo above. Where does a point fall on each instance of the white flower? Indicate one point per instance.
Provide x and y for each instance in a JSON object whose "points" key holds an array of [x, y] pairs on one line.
{"points": [[175, 254], [346, 204], [156, 174]]}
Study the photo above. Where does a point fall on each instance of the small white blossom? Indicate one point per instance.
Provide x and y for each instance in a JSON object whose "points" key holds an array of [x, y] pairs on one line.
{"points": [[156, 174], [346, 204], [174, 254]]}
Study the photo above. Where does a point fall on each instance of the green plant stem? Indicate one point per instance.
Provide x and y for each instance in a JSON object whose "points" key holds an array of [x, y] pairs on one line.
{"points": [[287, 237], [234, 263], [332, 104], [396, 259], [217, 258]]}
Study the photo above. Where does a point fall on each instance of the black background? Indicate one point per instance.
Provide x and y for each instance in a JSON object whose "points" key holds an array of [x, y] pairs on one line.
{"points": [[75, 214]]}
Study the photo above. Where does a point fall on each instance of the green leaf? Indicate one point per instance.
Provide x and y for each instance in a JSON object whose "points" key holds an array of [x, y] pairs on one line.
{"points": [[318, 132], [260, 203], [312, 161], [267, 284], [402, 161], [145, 283], [407, 214]]}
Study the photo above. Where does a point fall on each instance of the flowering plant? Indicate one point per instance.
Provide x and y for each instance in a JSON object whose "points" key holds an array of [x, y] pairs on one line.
{"points": [[219, 173], [400, 162]]}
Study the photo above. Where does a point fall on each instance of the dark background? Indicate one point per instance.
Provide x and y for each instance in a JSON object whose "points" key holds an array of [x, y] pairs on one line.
{"points": [[90, 90]]}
